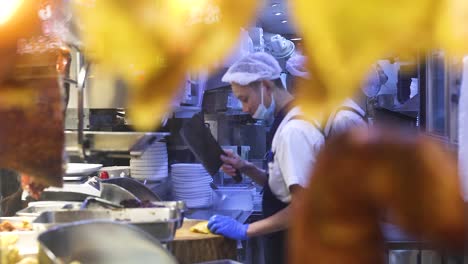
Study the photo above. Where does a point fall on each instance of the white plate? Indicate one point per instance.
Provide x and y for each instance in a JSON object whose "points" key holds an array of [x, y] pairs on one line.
{"points": [[158, 173], [196, 170], [74, 178], [187, 165], [182, 184], [149, 175], [149, 159], [155, 168], [146, 158], [151, 163], [82, 168], [151, 172], [137, 165], [189, 173], [190, 178], [198, 191], [146, 169], [192, 196], [152, 178]]}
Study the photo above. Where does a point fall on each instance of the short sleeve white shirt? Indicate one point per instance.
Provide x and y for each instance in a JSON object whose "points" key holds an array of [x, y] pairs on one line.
{"points": [[295, 145]]}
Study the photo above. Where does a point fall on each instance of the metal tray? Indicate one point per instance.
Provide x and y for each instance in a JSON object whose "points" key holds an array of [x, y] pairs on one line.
{"points": [[178, 205], [96, 203], [100, 242], [35, 209], [161, 223]]}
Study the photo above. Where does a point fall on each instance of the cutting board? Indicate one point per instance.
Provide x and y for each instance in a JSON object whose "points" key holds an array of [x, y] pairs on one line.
{"points": [[190, 247]]}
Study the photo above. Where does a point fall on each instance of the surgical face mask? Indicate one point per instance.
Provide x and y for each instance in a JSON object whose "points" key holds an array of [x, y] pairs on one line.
{"points": [[264, 113]]}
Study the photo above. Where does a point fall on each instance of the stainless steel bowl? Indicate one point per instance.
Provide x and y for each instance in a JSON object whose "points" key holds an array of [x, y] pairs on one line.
{"points": [[96, 242]]}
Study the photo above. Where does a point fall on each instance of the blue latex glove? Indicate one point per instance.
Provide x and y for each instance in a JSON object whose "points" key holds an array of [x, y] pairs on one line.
{"points": [[228, 227]]}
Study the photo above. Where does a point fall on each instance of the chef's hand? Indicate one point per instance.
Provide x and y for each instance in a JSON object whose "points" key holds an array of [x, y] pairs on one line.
{"points": [[228, 227], [232, 162]]}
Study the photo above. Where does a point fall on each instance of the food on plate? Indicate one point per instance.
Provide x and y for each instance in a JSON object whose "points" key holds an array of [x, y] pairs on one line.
{"points": [[9, 252], [362, 176], [7, 226], [201, 228]]}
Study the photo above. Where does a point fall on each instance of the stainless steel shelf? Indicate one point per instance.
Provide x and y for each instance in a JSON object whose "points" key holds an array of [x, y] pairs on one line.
{"points": [[113, 141]]}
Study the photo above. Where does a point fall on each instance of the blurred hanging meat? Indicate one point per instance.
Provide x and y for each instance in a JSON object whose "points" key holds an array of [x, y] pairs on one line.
{"points": [[363, 177], [31, 117], [152, 45], [343, 38]]}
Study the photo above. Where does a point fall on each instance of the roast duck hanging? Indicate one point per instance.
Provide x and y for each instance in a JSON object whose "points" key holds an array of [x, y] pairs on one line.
{"points": [[31, 105]]}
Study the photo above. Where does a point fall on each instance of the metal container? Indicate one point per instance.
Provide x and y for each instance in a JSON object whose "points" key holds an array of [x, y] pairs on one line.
{"points": [[135, 187], [96, 203], [36, 208], [161, 223], [93, 242], [115, 193], [180, 206]]}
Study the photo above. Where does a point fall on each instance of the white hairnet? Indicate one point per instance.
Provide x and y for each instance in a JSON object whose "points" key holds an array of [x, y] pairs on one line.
{"points": [[253, 67], [374, 80], [296, 66]]}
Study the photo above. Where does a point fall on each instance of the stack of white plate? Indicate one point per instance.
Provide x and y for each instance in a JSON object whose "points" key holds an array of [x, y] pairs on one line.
{"points": [[191, 184], [152, 164]]}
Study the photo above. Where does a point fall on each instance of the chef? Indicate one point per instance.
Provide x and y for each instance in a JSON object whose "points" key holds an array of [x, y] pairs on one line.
{"points": [[295, 142], [353, 111]]}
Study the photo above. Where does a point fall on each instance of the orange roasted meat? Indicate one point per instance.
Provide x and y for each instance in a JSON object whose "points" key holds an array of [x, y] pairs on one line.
{"points": [[360, 178]]}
